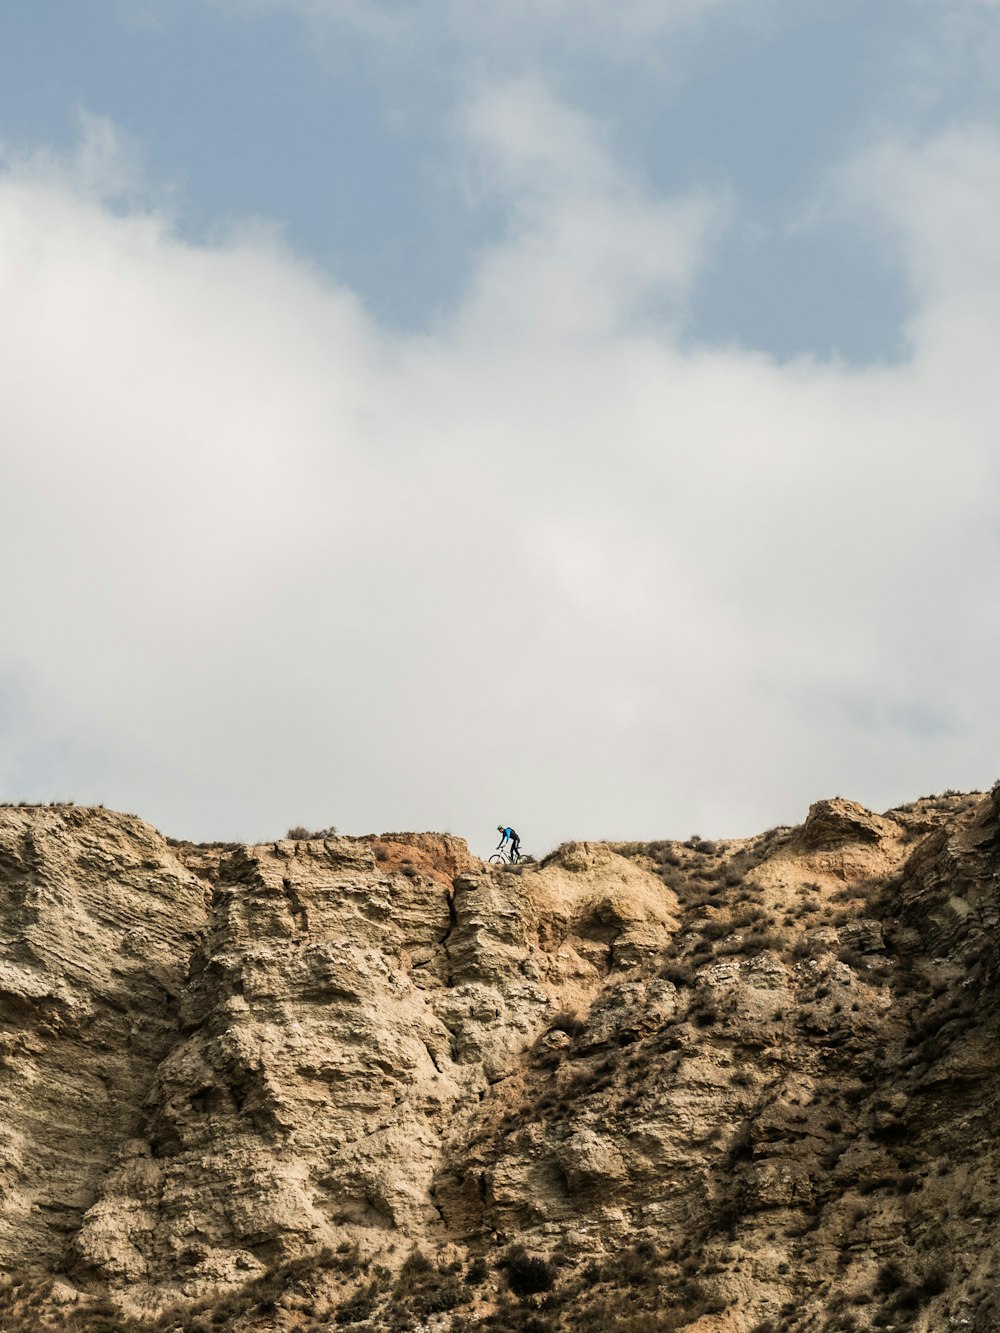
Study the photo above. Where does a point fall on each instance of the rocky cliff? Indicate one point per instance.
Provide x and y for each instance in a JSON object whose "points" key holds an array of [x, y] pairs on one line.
{"points": [[371, 1083]]}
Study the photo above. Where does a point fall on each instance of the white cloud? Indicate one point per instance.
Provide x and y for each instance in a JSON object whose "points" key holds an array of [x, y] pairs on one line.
{"points": [[586, 250], [934, 199], [269, 563]]}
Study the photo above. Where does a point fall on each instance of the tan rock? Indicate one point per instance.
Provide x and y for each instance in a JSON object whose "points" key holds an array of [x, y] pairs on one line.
{"points": [[731, 1081]]}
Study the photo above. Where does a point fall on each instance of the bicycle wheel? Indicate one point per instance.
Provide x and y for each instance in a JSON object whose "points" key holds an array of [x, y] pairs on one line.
{"points": [[498, 859]]}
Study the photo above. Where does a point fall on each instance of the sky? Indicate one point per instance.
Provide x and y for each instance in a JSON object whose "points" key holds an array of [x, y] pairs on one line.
{"points": [[431, 415]]}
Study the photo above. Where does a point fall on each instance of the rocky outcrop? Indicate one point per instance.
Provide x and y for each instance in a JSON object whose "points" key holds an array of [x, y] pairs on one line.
{"points": [[98, 923], [742, 1085]]}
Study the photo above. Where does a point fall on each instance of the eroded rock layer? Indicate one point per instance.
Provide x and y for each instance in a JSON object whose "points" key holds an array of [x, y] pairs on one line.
{"points": [[373, 1083]]}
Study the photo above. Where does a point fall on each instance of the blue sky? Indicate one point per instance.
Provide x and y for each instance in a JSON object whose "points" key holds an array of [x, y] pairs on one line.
{"points": [[350, 147], [580, 415]]}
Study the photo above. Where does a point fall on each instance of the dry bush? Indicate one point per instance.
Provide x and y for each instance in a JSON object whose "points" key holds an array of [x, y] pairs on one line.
{"points": [[527, 1274], [678, 973], [568, 1022], [477, 1272], [359, 1307]]}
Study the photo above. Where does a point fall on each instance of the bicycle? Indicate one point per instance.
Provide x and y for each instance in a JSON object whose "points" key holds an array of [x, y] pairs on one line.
{"points": [[504, 859]]}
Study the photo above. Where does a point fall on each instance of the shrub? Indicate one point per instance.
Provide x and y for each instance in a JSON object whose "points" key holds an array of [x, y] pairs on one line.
{"points": [[804, 947], [477, 1272], [438, 1296], [301, 834], [527, 1274], [425, 1289], [568, 1022], [415, 1265], [908, 1298], [636, 1267], [715, 928], [890, 1277], [935, 1281], [679, 973], [358, 1307]]}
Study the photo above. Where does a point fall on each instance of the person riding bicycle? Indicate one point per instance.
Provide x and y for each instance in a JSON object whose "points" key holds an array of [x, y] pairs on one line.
{"points": [[509, 836]]}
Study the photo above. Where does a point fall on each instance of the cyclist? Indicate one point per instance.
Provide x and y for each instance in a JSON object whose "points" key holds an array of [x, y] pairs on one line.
{"points": [[508, 835]]}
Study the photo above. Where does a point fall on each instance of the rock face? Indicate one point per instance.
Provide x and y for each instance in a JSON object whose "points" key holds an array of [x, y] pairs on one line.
{"points": [[339, 1082], [98, 924]]}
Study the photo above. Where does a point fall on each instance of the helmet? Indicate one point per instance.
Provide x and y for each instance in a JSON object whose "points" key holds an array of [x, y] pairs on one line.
{"points": [[500, 828]]}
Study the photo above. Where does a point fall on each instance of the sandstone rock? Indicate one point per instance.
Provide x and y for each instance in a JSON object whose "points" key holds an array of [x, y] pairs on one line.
{"points": [[831, 823], [282, 1063], [864, 935], [99, 920]]}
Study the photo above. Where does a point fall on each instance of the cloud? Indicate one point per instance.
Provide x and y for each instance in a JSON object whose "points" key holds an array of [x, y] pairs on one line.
{"points": [[933, 199], [586, 251], [269, 562], [107, 165]]}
